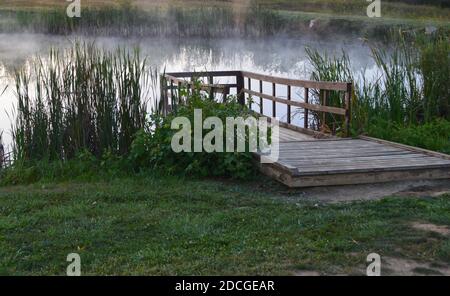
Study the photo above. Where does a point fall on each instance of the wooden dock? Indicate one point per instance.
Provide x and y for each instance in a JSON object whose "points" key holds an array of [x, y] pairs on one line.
{"points": [[307, 162], [319, 153]]}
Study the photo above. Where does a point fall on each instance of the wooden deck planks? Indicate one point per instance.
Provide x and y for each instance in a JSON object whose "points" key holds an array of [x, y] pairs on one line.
{"points": [[287, 135], [306, 161]]}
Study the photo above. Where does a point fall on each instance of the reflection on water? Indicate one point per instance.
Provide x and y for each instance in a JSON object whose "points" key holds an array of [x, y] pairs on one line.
{"points": [[281, 57]]}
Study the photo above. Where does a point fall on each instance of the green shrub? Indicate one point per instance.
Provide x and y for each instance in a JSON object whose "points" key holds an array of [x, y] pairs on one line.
{"points": [[152, 147]]}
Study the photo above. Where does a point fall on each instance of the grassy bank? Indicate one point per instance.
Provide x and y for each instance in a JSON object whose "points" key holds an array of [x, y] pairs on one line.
{"points": [[415, 9], [425, 10], [218, 19], [155, 226]]}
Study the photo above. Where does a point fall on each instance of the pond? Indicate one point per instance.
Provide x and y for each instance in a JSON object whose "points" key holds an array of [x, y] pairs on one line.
{"points": [[274, 56]]}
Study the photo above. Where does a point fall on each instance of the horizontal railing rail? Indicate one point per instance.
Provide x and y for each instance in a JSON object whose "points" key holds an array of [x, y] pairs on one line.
{"points": [[313, 107], [171, 84], [324, 85]]}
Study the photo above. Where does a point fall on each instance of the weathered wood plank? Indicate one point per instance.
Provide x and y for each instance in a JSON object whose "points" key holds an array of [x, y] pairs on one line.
{"points": [[329, 145], [204, 74], [315, 134], [292, 136], [369, 159], [337, 155], [368, 177], [203, 86], [339, 86], [343, 152], [317, 171], [318, 108], [354, 177], [284, 146], [410, 148]]}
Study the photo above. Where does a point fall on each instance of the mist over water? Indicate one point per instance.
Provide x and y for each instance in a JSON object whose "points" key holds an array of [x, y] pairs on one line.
{"points": [[280, 57]]}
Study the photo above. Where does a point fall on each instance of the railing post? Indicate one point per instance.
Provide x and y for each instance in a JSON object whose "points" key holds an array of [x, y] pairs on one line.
{"points": [[240, 89], [289, 106], [211, 90], [250, 88], [306, 120], [348, 108], [226, 92], [164, 95], [261, 100], [172, 93], [179, 92], [274, 104], [324, 114]]}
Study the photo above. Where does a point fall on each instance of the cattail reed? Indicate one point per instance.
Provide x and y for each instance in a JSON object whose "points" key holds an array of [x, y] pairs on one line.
{"points": [[80, 99], [411, 87]]}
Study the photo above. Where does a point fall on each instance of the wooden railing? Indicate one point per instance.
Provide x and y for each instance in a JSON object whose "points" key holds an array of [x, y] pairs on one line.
{"points": [[172, 83]]}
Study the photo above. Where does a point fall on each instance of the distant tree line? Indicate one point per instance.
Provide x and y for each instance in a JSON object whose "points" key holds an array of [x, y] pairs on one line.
{"points": [[441, 3]]}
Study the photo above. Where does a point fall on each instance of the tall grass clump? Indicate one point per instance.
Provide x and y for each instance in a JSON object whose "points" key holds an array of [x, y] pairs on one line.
{"points": [[329, 69], [402, 99], [414, 78], [82, 99], [410, 91], [434, 64]]}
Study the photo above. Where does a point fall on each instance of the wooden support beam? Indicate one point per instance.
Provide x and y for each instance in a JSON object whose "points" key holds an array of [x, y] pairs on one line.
{"points": [[211, 90], [340, 86], [261, 100], [289, 106], [250, 87], [274, 103], [348, 109], [240, 89], [313, 107], [306, 119], [324, 114], [172, 96]]}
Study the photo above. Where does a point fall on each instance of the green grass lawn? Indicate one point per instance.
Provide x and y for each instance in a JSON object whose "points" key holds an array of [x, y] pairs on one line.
{"points": [[156, 226]]}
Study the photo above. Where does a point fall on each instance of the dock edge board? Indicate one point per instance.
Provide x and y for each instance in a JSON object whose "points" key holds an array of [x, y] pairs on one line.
{"points": [[352, 178]]}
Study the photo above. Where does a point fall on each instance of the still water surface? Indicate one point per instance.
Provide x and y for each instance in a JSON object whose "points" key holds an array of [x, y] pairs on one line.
{"points": [[280, 57]]}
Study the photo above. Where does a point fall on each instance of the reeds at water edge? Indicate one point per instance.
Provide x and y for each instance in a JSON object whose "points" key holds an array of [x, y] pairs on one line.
{"points": [[411, 87], [80, 99]]}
